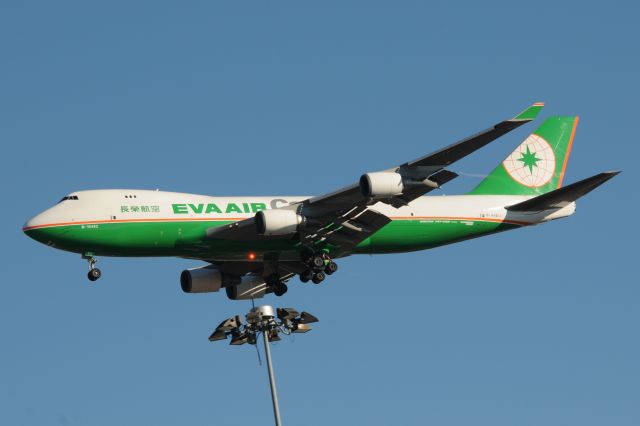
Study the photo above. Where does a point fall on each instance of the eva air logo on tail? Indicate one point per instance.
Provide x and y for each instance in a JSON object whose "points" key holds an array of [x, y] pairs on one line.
{"points": [[533, 163]]}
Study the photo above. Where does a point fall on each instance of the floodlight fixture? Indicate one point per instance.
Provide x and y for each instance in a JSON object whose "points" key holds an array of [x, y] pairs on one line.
{"points": [[217, 335], [228, 324], [301, 328], [239, 338], [287, 313], [273, 335], [307, 318]]}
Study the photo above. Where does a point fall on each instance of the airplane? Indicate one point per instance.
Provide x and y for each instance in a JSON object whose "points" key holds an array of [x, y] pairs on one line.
{"points": [[255, 245]]}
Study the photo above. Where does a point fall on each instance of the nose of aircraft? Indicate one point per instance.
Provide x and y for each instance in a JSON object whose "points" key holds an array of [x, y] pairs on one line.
{"points": [[45, 227], [31, 226], [34, 228]]}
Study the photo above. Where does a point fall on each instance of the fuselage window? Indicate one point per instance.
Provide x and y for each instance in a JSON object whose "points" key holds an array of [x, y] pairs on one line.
{"points": [[69, 197]]}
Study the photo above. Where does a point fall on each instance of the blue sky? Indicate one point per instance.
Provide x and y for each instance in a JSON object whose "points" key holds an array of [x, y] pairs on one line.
{"points": [[536, 326]]}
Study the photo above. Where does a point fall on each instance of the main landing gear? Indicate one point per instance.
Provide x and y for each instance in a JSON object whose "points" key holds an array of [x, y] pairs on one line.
{"points": [[277, 287], [94, 273], [319, 265]]}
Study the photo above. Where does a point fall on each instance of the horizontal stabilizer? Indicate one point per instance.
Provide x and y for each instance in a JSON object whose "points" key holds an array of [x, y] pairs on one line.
{"points": [[562, 197]]}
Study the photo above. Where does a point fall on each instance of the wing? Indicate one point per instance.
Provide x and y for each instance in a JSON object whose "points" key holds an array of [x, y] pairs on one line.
{"points": [[430, 167], [343, 219], [345, 232]]}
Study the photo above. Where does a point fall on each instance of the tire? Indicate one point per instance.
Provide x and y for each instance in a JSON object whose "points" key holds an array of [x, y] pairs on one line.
{"points": [[94, 274], [280, 289], [331, 268], [317, 262], [318, 277], [305, 277]]}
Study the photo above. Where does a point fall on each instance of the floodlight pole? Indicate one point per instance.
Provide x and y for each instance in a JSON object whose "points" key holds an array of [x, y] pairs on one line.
{"points": [[268, 321], [272, 379]]}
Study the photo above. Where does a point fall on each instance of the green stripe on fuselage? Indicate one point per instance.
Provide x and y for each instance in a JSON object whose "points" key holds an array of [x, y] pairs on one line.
{"points": [[188, 238]]}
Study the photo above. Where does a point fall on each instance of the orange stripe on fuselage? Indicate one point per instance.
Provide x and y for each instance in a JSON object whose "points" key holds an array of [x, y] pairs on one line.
{"points": [[234, 219], [96, 222], [474, 219]]}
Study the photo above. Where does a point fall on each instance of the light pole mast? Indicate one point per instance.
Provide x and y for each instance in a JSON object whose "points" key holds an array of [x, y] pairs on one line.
{"points": [[272, 379], [268, 321]]}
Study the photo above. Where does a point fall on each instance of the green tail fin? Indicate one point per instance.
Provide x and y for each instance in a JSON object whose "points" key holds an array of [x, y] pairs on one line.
{"points": [[537, 165]]}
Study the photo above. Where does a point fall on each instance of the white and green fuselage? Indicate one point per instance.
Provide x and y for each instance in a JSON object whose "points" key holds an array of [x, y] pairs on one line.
{"points": [[156, 223]]}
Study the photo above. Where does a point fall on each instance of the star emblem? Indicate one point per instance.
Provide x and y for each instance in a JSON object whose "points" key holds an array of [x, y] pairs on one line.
{"points": [[529, 159]]}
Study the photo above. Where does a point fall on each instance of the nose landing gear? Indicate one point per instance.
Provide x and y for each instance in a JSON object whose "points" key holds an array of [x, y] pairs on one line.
{"points": [[94, 273]]}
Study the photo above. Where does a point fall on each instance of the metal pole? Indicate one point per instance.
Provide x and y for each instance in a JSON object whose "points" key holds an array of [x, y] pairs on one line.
{"points": [[272, 379]]}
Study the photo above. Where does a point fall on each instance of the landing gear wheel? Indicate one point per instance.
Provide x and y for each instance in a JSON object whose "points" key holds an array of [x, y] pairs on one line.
{"points": [[318, 277], [331, 268], [317, 262], [94, 274], [280, 289], [306, 276]]}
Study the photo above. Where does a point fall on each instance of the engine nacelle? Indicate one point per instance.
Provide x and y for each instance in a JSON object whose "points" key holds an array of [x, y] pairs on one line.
{"points": [[381, 184], [201, 280], [278, 222], [251, 287]]}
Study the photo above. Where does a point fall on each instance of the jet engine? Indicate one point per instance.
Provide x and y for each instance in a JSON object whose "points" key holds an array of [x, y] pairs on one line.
{"points": [[201, 280], [278, 222], [251, 286], [381, 184]]}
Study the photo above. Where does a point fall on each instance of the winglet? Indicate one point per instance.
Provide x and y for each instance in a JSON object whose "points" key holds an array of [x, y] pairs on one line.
{"points": [[529, 113]]}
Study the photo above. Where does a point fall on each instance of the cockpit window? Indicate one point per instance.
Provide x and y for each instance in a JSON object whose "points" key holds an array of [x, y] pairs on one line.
{"points": [[69, 197]]}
